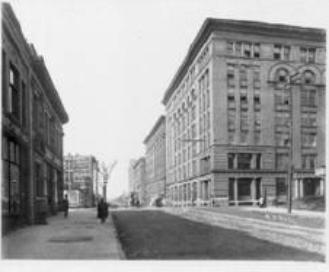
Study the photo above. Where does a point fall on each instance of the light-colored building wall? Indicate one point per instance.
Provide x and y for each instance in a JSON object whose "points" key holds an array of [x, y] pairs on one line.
{"points": [[155, 161], [140, 180], [229, 110], [81, 176]]}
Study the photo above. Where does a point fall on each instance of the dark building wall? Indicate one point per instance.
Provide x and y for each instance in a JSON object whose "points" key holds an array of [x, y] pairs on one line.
{"points": [[27, 196]]}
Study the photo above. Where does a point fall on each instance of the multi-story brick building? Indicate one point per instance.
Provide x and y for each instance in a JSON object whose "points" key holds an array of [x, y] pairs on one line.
{"points": [[32, 132], [155, 161], [230, 108], [81, 180]]}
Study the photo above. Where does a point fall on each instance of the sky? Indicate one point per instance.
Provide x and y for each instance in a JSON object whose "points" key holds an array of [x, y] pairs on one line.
{"points": [[111, 61]]}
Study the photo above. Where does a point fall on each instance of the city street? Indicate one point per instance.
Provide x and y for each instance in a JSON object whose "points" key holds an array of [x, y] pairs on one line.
{"points": [[78, 237], [153, 234]]}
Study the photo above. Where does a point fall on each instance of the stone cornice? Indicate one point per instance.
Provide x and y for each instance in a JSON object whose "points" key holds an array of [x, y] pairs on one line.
{"points": [[11, 24], [247, 27], [160, 120]]}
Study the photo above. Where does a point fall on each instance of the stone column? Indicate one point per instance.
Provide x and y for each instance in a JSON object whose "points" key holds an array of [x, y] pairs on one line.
{"points": [[236, 193], [199, 189], [253, 191], [301, 188], [296, 189], [321, 187]]}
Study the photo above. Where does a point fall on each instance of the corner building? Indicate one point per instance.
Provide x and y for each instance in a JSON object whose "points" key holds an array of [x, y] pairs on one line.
{"points": [[155, 161], [230, 108], [32, 131]]}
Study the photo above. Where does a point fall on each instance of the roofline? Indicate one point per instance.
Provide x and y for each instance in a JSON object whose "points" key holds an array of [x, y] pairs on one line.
{"points": [[160, 120], [138, 162], [241, 26], [35, 60]]}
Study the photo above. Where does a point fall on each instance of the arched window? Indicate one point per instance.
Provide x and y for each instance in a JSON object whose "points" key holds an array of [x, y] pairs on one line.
{"points": [[282, 76], [308, 77]]}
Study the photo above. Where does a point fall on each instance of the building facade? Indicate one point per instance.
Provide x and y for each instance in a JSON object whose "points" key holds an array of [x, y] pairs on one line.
{"points": [[139, 181], [81, 181], [32, 131], [248, 97], [131, 187], [155, 161]]}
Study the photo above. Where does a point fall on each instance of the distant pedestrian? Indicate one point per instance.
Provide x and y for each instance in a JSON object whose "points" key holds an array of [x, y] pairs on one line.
{"points": [[102, 210], [66, 206]]}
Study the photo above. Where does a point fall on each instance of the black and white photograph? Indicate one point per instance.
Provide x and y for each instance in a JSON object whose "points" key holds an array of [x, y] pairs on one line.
{"points": [[163, 135]]}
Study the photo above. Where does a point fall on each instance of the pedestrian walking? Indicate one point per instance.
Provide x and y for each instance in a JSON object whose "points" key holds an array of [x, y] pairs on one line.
{"points": [[66, 206], [102, 210]]}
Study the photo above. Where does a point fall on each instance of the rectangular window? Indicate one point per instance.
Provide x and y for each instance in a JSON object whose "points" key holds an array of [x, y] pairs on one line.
{"points": [[11, 176], [256, 50], [231, 116], [230, 47], [231, 101], [243, 76], [308, 97], [244, 187], [303, 55], [244, 120], [4, 81], [308, 161], [311, 55], [309, 139], [246, 49], [238, 48], [244, 161], [281, 186], [286, 52], [309, 119], [24, 106], [256, 103], [230, 160], [230, 76], [258, 161], [277, 52], [281, 52], [14, 92], [282, 139], [256, 78], [307, 54], [257, 121]]}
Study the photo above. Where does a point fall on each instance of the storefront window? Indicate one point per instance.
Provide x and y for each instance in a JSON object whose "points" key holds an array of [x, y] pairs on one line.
{"points": [[11, 176]]}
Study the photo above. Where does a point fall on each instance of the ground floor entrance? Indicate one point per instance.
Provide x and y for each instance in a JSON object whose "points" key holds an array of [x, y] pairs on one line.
{"points": [[244, 190]]}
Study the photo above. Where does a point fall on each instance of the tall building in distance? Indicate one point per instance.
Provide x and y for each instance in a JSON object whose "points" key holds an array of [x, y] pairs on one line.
{"points": [[139, 181], [32, 131], [81, 180], [246, 96], [131, 177], [155, 161]]}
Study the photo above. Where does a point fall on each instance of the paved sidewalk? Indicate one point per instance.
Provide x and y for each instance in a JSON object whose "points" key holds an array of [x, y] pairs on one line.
{"points": [[80, 236], [283, 210]]}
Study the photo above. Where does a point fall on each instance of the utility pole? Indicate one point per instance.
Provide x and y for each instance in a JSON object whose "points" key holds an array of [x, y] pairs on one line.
{"points": [[292, 80]]}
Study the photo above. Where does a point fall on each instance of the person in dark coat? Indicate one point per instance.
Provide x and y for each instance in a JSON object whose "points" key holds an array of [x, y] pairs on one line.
{"points": [[102, 210], [66, 206]]}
